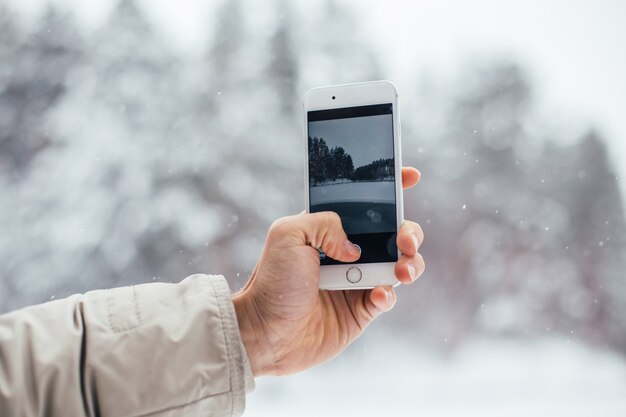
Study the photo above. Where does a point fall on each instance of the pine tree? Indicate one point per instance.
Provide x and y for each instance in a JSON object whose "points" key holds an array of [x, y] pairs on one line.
{"points": [[229, 37], [283, 68], [598, 244]]}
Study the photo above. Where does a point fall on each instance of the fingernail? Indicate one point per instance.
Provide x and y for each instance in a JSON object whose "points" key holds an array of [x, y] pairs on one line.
{"points": [[391, 300], [412, 272], [352, 249], [417, 245]]}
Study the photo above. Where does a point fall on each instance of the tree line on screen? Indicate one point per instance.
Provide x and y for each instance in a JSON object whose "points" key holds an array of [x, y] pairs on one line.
{"points": [[332, 164]]}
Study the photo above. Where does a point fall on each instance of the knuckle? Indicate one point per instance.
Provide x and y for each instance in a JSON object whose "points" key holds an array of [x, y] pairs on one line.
{"points": [[280, 225], [329, 218], [332, 217]]}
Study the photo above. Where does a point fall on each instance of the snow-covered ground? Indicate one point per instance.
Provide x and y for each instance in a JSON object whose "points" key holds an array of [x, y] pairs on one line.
{"points": [[373, 192], [486, 377]]}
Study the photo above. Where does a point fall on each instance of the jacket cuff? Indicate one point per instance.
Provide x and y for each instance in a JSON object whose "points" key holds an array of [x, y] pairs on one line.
{"points": [[247, 372], [242, 379]]}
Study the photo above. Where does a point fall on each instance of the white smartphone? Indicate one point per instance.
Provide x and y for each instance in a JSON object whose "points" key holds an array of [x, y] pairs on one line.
{"points": [[354, 168]]}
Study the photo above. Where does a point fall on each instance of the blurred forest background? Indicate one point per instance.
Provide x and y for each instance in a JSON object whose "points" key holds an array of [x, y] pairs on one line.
{"points": [[124, 161]]}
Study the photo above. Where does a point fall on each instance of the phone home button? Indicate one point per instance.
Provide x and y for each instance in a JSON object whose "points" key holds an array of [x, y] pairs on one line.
{"points": [[354, 275]]}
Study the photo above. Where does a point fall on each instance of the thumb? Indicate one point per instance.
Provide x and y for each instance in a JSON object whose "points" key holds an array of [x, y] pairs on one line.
{"points": [[321, 231], [325, 232]]}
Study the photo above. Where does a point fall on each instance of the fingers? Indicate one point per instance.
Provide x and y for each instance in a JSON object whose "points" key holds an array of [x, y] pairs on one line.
{"points": [[409, 268], [366, 305], [410, 237], [410, 265], [319, 230], [410, 177], [381, 300]]}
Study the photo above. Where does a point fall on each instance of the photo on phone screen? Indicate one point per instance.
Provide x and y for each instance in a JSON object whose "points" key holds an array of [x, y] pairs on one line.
{"points": [[351, 172]]}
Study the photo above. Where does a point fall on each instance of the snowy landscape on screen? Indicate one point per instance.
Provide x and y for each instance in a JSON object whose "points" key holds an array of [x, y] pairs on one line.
{"points": [[363, 192]]}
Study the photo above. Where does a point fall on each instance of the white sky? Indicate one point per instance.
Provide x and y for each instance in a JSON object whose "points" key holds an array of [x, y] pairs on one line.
{"points": [[575, 50]]}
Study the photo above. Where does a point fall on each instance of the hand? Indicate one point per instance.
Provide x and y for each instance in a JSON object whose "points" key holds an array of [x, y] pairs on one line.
{"points": [[287, 323]]}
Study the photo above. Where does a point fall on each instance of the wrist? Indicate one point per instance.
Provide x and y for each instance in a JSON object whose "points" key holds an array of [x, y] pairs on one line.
{"points": [[252, 334]]}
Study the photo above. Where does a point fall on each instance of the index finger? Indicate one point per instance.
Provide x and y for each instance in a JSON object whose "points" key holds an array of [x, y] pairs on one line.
{"points": [[410, 177]]}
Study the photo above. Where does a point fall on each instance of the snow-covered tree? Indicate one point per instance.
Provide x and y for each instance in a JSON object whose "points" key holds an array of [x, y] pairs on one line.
{"points": [[33, 79]]}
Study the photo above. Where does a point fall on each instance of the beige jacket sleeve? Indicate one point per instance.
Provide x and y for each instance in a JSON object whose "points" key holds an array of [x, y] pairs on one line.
{"points": [[147, 350]]}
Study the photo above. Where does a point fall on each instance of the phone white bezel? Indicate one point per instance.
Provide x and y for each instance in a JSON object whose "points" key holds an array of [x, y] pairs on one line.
{"points": [[334, 277]]}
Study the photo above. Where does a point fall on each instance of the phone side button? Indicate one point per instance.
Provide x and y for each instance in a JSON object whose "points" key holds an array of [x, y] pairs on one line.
{"points": [[354, 275]]}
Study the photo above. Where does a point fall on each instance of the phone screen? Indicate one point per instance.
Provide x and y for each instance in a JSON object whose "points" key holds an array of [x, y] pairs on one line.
{"points": [[351, 172]]}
